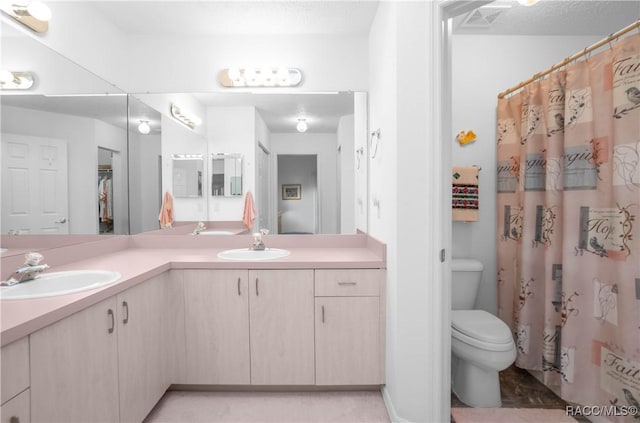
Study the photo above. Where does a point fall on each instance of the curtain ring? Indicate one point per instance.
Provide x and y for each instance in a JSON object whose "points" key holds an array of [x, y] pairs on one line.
{"points": [[610, 39]]}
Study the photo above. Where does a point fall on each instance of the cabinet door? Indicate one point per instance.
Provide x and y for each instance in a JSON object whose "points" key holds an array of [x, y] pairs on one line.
{"points": [[74, 368], [347, 341], [281, 322], [173, 324], [16, 410], [217, 327], [140, 348]]}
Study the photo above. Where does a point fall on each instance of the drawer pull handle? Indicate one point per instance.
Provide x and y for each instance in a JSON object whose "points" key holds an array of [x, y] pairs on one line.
{"points": [[257, 291], [113, 321], [322, 314], [239, 287], [346, 283], [125, 307]]}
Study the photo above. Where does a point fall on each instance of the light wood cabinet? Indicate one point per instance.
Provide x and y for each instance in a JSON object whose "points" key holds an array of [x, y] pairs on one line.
{"points": [[349, 345], [14, 361], [74, 367], [281, 322], [217, 327], [347, 341], [17, 409], [142, 378]]}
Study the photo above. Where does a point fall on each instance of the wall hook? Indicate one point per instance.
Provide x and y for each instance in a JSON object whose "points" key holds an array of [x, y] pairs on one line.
{"points": [[374, 147]]}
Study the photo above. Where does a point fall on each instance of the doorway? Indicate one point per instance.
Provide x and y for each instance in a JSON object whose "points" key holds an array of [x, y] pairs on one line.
{"points": [[298, 194], [105, 191]]}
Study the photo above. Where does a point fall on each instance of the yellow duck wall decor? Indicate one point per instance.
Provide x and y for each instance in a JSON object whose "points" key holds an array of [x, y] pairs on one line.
{"points": [[465, 137]]}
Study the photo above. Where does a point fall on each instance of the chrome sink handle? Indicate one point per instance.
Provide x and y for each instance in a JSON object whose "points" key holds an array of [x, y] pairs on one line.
{"points": [[28, 271]]}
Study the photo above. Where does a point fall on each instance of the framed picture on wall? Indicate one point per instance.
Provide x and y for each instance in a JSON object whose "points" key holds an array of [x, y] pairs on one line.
{"points": [[291, 192]]}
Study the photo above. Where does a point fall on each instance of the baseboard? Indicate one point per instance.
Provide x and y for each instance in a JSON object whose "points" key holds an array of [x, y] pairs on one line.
{"points": [[391, 410]]}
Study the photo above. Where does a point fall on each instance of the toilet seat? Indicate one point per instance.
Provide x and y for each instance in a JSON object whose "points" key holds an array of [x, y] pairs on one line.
{"points": [[481, 329]]}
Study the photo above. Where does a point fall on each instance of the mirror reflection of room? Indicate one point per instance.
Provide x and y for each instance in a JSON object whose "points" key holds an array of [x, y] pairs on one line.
{"points": [[105, 191]]}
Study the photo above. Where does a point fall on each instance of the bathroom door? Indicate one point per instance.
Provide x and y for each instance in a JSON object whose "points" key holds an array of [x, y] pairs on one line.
{"points": [[34, 185]]}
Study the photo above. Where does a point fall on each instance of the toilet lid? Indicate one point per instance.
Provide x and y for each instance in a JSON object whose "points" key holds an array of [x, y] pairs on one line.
{"points": [[481, 325]]}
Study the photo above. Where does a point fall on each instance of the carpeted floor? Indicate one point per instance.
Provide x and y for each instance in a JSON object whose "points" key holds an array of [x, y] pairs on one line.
{"points": [[270, 407]]}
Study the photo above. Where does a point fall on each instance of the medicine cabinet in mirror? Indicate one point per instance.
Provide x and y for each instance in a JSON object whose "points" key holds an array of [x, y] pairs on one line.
{"points": [[187, 175], [226, 174]]}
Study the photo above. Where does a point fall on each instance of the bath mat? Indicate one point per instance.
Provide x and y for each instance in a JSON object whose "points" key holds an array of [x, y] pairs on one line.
{"points": [[510, 415]]}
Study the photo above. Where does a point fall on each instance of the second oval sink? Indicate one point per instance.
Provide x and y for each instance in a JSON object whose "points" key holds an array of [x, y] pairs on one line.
{"points": [[248, 254], [59, 283]]}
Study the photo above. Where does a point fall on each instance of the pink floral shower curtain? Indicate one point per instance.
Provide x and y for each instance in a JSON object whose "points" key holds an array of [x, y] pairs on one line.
{"points": [[568, 205]]}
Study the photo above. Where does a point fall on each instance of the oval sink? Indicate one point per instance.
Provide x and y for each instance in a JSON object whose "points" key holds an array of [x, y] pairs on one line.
{"points": [[59, 283], [247, 254], [212, 232]]}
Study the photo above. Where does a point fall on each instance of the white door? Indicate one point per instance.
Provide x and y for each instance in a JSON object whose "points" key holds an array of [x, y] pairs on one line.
{"points": [[34, 185]]}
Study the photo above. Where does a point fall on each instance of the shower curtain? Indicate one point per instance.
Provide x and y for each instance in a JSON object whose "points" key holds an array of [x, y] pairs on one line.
{"points": [[568, 231]]}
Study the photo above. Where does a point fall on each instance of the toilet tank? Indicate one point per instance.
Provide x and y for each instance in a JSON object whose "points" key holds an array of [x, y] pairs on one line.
{"points": [[465, 281]]}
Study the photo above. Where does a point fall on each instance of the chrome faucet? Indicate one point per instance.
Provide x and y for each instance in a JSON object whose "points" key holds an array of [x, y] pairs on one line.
{"points": [[28, 271], [258, 245]]}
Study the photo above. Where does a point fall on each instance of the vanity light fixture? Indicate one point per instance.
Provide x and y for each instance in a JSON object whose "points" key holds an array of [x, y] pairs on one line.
{"points": [[31, 13], [144, 127], [302, 125], [15, 80], [185, 116], [527, 2], [187, 156], [260, 77]]}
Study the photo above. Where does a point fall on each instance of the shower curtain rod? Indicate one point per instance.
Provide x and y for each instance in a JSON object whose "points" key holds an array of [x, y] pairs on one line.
{"points": [[569, 59]]}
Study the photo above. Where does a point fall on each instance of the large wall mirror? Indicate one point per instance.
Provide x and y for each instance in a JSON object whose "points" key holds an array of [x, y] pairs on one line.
{"points": [[265, 151], [64, 147], [106, 157]]}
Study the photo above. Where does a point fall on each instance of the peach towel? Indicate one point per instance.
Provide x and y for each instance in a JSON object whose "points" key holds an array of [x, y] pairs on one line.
{"points": [[249, 210], [166, 212]]}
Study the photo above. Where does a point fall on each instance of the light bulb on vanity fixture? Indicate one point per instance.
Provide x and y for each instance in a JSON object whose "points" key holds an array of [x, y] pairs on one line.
{"points": [[31, 13], [302, 125], [15, 80], [144, 127], [527, 2]]}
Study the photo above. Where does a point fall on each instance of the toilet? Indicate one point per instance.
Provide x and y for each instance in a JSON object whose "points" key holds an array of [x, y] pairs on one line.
{"points": [[481, 343]]}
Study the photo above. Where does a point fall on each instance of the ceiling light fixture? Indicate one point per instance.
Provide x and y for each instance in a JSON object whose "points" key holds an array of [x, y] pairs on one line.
{"points": [[185, 116], [527, 2], [33, 14], [260, 77], [144, 127], [16, 80], [302, 125]]}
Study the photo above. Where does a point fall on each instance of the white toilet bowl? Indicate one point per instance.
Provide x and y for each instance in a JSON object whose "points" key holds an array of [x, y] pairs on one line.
{"points": [[481, 346]]}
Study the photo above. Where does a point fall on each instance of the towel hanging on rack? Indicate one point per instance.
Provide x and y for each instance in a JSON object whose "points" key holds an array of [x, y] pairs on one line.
{"points": [[464, 196]]}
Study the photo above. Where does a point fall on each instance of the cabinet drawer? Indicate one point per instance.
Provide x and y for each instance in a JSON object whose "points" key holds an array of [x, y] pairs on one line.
{"points": [[17, 410], [348, 282], [15, 368]]}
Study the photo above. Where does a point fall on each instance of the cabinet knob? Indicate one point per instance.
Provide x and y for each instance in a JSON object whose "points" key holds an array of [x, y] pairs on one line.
{"points": [[14, 419]]}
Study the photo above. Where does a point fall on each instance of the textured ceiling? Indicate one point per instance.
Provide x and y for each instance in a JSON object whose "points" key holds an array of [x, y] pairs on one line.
{"points": [[214, 17], [555, 17]]}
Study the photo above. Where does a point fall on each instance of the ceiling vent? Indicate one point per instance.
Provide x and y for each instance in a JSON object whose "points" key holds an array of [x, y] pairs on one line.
{"points": [[482, 17]]}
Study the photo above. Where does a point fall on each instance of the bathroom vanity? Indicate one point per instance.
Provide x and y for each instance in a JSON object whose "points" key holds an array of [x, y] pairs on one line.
{"points": [[182, 317]]}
